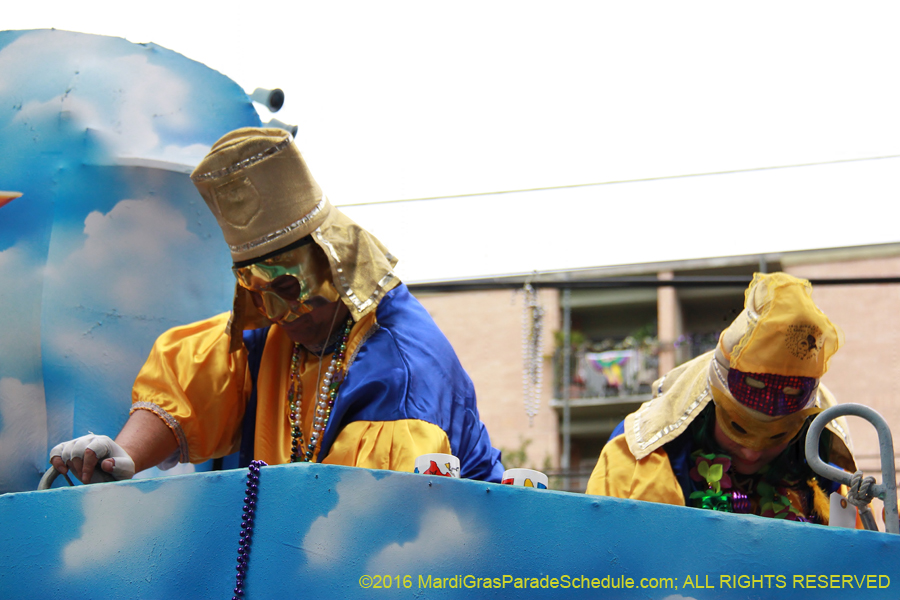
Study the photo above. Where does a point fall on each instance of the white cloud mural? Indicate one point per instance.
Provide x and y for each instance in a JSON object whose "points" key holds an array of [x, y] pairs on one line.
{"points": [[442, 539], [19, 311], [127, 256], [110, 245], [23, 433], [330, 536], [440, 534], [104, 540], [139, 95]]}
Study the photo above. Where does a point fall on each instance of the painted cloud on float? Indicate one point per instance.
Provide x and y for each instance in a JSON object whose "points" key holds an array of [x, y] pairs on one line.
{"points": [[110, 245], [143, 103]]}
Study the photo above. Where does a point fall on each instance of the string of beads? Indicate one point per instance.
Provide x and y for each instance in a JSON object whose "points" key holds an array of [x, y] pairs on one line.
{"points": [[332, 380], [247, 527]]}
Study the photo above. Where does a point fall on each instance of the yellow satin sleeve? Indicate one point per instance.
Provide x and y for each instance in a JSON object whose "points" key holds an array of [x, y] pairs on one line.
{"points": [[391, 445], [619, 475], [193, 378]]}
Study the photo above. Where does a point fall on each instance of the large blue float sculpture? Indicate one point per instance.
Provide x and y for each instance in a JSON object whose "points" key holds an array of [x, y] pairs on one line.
{"points": [[109, 244]]}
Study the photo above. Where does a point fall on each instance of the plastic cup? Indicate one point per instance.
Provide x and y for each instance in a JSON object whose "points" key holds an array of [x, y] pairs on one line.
{"points": [[525, 478], [442, 465]]}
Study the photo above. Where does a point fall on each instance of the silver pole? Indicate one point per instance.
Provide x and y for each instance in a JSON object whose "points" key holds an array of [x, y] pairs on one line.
{"points": [[887, 489]]}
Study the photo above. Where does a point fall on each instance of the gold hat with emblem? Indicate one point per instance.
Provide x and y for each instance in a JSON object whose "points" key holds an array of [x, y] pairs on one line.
{"points": [[780, 331], [258, 186]]}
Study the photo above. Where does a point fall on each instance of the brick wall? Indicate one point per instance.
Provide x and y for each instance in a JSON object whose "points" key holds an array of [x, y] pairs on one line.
{"points": [[485, 329], [866, 369]]}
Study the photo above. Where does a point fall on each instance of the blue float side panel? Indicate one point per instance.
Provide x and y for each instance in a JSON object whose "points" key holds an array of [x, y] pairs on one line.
{"points": [[326, 531]]}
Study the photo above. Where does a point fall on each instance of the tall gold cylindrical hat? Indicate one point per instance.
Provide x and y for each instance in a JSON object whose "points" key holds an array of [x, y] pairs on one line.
{"points": [[260, 190], [258, 186]]}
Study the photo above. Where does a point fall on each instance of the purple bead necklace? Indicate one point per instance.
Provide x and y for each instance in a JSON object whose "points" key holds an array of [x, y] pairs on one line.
{"points": [[247, 527]]}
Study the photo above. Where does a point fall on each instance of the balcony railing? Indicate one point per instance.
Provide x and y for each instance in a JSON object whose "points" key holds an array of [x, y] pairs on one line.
{"points": [[611, 373]]}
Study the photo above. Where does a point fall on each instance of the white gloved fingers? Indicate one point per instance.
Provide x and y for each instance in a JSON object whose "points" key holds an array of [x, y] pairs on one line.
{"points": [[103, 447], [56, 459], [65, 451], [100, 445], [122, 467], [79, 445], [122, 463], [82, 465], [57, 450], [73, 448]]}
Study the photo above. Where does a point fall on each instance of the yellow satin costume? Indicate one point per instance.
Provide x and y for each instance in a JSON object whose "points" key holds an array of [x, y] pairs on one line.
{"points": [[636, 465], [620, 475], [200, 389]]}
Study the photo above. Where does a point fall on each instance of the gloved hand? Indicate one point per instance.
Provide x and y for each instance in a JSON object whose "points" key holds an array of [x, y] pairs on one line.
{"points": [[83, 454]]}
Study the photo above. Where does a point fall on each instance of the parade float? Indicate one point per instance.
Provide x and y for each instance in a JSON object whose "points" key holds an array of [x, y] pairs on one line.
{"points": [[99, 135]]}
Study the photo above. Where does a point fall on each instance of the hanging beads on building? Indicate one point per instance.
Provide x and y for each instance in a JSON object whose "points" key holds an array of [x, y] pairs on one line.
{"points": [[532, 352]]}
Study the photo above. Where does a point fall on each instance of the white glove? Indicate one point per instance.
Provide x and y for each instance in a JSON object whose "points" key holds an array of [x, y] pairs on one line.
{"points": [[122, 466]]}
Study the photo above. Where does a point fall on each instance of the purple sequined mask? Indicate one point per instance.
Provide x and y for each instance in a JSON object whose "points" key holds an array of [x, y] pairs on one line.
{"points": [[771, 399]]}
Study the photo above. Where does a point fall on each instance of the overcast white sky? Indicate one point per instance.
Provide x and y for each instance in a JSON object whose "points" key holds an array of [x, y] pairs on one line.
{"points": [[402, 100]]}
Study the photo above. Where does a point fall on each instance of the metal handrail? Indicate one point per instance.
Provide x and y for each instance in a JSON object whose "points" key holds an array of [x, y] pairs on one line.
{"points": [[51, 474], [49, 477], [887, 489]]}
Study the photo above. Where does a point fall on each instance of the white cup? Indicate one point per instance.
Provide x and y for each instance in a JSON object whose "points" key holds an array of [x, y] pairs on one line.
{"points": [[525, 478], [442, 465]]}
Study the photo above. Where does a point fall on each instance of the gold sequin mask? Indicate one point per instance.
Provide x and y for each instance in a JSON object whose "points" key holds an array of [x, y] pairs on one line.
{"points": [[288, 285]]}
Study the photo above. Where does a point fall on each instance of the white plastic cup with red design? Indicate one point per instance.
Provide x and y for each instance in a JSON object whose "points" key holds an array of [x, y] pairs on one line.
{"points": [[442, 465], [525, 478]]}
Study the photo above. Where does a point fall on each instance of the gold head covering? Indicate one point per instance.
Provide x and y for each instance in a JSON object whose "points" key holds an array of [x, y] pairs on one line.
{"points": [[780, 332], [258, 186], [777, 321]]}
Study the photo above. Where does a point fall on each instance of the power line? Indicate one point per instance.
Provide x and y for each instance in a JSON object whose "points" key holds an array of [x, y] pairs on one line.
{"points": [[705, 281], [660, 178]]}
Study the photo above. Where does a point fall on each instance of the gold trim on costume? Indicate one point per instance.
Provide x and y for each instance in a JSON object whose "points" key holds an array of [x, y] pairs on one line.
{"points": [[278, 233], [250, 160], [360, 305], [170, 421], [668, 428]]}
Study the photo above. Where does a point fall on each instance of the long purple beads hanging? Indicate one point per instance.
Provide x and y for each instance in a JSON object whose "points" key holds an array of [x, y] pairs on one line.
{"points": [[247, 527]]}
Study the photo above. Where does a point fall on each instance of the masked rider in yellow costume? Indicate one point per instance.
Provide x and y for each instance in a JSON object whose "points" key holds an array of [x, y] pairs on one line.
{"points": [[726, 431]]}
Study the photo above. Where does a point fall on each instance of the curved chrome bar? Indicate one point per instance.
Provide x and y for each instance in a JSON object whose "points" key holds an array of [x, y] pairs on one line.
{"points": [[887, 489], [48, 479], [51, 474]]}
